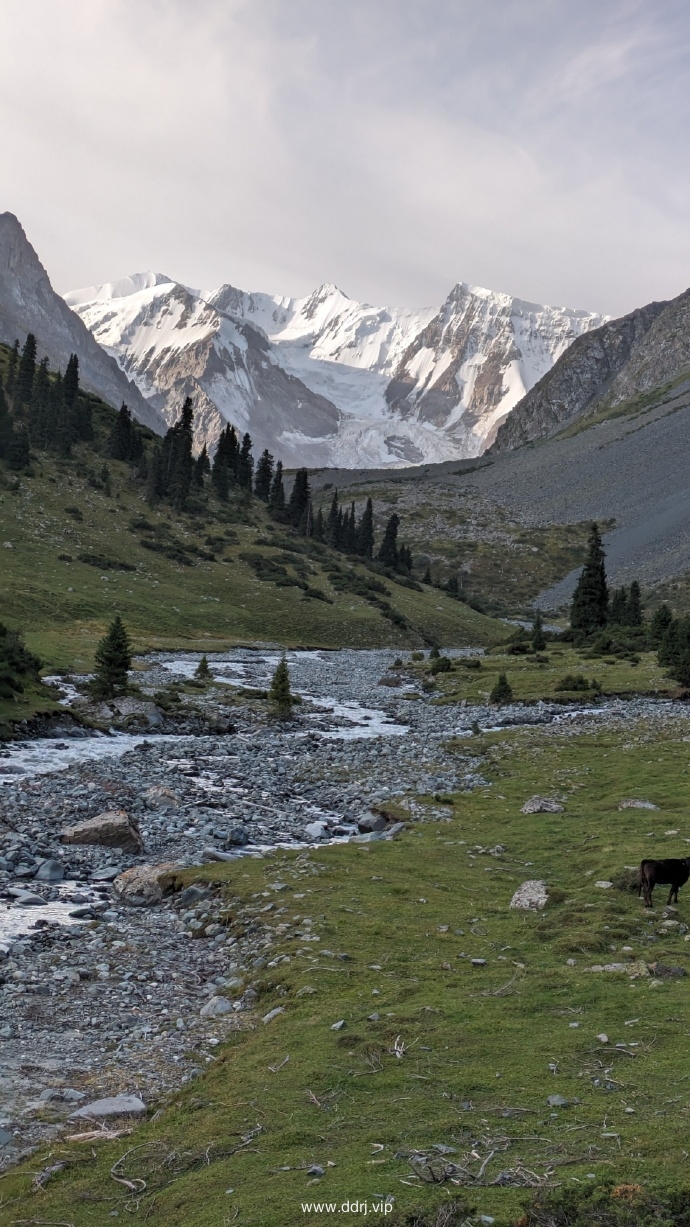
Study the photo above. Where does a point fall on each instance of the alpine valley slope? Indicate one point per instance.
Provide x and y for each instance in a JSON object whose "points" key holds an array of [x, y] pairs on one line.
{"points": [[326, 380]]}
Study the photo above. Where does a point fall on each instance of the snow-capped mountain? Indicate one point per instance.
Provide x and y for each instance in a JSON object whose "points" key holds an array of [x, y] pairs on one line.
{"points": [[326, 380]]}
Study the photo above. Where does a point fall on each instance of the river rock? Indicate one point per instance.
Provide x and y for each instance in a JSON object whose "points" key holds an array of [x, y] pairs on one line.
{"points": [[160, 797], [144, 885], [531, 896], [236, 836], [116, 1105], [112, 829], [316, 830], [26, 898], [215, 1007], [371, 822], [50, 871], [541, 805]]}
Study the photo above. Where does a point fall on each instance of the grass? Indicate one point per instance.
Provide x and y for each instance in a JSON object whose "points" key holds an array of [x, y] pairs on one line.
{"points": [[484, 1047], [536, 677]]}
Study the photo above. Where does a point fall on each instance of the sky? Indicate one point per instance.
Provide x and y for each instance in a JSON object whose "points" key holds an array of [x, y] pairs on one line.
{"points": [[392, 147]]}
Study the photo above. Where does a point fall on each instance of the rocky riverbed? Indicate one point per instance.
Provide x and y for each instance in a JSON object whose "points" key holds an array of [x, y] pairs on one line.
{"points": [[100, 997]]}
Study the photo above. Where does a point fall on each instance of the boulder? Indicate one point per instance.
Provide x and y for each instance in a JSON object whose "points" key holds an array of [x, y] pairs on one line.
{"points": [[316, 830], [26, 898], [236, 836], [371, 822], [160, 797], [541, 805], [144, 885], [137, 712], [116, 1105], [531, 896], [50, 871], [113, 829], [216, 1007]]}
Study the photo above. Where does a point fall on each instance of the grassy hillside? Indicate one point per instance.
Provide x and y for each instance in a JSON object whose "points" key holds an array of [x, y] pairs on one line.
{"points": [[411, 915], [80, 543]]}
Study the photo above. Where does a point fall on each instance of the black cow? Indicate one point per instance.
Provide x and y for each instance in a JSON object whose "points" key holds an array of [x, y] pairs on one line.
{"points": [[653, 873]]}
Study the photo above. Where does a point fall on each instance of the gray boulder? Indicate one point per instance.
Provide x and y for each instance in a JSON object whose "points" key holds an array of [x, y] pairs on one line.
{"points": [[531, 896], [116, 1105], [541, 805], [50, 871], [216, 1007], [112, 829]]}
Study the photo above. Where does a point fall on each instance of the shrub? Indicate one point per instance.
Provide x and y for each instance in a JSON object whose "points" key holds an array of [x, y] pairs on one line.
{"points": [[441, 664], [572, 681], [502, 691]]}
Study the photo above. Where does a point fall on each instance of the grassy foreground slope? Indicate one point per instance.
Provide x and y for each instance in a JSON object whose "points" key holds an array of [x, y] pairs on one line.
{"points": [[483, 1047]]}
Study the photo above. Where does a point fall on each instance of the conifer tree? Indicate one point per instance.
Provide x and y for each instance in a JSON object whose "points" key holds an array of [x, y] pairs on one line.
{"points": [[276, 500], [538, 639], [18, 452], [634, 611], [245, 465], [299, 497], [70, 388], [5, 424], [155, 487], [388, 552], [661, 620], [453, 587], [618, 608], [318, 526], [502, 691], [120, 441], [202, 670], [12, 365], [202, 466], [405, 561], [331, 531], [351, 542], [25, 373], [589, 609], [264, 476], [279, 694], [219, 472], [426, 578], [42, 424], [113, 661], [63, 433], [365, 532]]}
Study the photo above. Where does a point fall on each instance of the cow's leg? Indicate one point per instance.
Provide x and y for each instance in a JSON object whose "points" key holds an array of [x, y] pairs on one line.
{"points": [[673, 895], [648, 895]]}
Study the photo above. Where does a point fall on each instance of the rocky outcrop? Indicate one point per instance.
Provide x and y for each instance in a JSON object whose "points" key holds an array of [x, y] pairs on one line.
{"points": [[113, 829], [28, 303], [580, 379]]}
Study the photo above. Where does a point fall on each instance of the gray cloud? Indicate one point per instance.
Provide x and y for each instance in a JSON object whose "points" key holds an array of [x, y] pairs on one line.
{"points": [[392, 147]]}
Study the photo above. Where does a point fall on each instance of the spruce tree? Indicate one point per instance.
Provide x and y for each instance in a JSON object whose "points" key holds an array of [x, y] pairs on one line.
{"points": [[426, 578], [18, 453], [661, 620], [155, 488], [618, 609], [113, 661], [502, 691], [365, 532], [276, 500], [70, 389], [589, 609], [202, 466], [279, 694], [245, 465], [388, 552], [219, 470], [264, 476], [120, 440], [634, 611], [299, 497], [331, 530], [202, 670], [42, 424], [5, 424], [62, 435], [538, 639], [25, 373], [182, 460], [11, 377], [351, 541]]}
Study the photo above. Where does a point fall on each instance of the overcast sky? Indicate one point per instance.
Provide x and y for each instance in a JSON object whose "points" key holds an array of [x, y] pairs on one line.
{"points": [[393, 147]]}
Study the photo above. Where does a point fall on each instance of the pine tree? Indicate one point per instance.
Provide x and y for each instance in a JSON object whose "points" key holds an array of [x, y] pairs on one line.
{"points": [[11, 377], [219, 469], [155, 487], [42, 425], [113, 661], [618, 609], [18, 452], [245, 465], [119, 444], [661, 620], [351, 541], [502, 691], [279, 694], [25, 373], [634, 605], [365, 532], [388, 552], [589, 610], [276, 500], [202, 466], [70, 389], [202, 670], [264, 476], [62, 435], [405, 562], [182, 460], [538, 639], [426, 578], [331, 531], [299, 497]]}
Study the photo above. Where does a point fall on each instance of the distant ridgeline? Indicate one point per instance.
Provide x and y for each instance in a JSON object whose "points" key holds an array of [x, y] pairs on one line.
{"points": [[41, 410]]}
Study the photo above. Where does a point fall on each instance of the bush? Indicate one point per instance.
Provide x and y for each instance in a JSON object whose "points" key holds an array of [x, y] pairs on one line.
{"points": [[572, 681], [441, 664], [502, 691]]}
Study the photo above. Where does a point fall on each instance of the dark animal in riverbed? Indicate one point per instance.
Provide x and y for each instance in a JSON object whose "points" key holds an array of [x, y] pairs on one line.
{"points": [[664, 873]]}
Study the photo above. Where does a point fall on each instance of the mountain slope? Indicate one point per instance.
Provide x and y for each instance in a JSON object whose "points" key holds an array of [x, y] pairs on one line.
{"points": [[325, 380], [607, 366], [28, 303]]}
